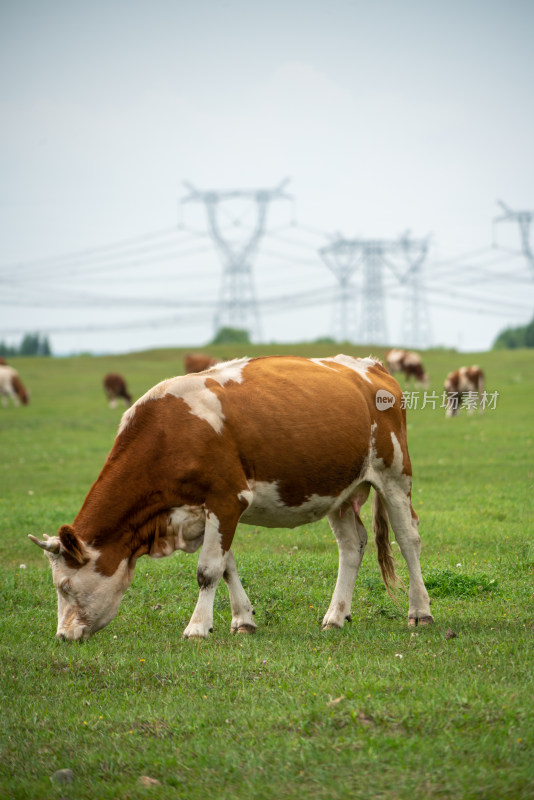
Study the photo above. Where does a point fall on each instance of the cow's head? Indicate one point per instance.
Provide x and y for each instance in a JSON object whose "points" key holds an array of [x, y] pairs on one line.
{"points": [[86, 599]]}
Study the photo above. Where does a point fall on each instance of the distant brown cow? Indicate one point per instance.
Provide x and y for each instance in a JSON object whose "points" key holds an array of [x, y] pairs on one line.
{"points": [[115, 387], [12, 386], [3, 362], [198, 362], [466, 383], [407, 362]]}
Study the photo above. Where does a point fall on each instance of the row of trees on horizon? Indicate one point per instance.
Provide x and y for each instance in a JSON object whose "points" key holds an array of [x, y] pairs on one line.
{"points": [[33, 344]]}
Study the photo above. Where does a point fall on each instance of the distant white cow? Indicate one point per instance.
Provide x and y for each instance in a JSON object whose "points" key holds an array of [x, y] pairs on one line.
{"points": [[12, 386], [463, 383]]}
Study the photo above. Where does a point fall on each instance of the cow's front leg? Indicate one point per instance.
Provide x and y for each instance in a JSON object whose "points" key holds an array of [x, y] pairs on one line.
{"points": [[242, 611], [211, 565]]}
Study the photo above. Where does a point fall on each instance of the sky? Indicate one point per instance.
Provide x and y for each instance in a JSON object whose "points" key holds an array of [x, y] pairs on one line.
{"points": [[386, 117]]}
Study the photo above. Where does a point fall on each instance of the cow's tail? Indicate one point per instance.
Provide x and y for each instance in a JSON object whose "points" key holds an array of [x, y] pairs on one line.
{"points": [[386, 561]]}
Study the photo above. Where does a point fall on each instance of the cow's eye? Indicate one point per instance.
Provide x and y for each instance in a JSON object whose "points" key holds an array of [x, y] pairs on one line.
{"points": [[65, 586]]}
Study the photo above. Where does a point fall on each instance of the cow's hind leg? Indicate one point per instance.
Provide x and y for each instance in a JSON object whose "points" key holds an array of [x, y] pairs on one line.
{"points": [[405, 524], [211, 565], [242, 611], [351, 539]]}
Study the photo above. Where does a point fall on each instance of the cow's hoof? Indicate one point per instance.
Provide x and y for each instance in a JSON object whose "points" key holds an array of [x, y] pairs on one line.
{"points": [[245, 629], [196, 632], [331, 626], [426, 620]]}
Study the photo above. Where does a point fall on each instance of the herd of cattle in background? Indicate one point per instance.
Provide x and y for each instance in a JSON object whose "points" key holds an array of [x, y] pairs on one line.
{"points": [[458, 384]]}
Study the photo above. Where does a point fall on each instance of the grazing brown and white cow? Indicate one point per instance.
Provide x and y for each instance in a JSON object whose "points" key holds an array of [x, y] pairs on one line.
{"points": [[275, 441], [12, 386], [407, 362], [115, 388], [198, 362], [464, 384]]}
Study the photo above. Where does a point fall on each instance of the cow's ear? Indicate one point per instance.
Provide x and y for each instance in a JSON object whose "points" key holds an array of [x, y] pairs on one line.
{"points": [[71, 546]]}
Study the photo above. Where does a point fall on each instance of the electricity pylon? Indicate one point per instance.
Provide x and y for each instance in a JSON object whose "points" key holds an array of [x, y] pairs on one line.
{"points": [[344, 256], [238, 306], [342, 259], [524, 220], [416, 329]]}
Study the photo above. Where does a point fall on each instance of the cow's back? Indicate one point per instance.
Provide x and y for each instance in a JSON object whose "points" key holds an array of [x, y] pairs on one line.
{"points": [[308, 424], [287, 429]]}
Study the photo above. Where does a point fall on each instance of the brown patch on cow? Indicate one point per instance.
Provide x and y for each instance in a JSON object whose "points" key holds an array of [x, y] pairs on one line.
{"points": [[390, 421], [325, 455], [146, 539]]}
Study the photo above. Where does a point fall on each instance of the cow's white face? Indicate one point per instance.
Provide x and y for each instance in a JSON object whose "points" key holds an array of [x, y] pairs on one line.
{"points": [[86, 600]]}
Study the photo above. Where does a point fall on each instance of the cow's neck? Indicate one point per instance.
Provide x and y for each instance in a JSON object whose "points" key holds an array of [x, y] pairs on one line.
{"points": [[129, 500]]}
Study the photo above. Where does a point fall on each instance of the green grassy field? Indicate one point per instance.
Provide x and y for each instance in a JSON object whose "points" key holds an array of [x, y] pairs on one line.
{"points": [[376, 710]]}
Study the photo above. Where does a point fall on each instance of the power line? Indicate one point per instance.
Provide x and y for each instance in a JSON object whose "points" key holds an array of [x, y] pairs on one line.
{"points": [[524, 220], [159, 322], [87, 252], [53, 282]]}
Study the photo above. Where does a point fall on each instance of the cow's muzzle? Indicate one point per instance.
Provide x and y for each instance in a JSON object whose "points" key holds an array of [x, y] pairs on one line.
{"points": [[75, 633]]}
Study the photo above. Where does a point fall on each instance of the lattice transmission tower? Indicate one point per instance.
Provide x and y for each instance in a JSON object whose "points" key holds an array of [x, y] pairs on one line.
{"points": [[524, 220], [238, 305], [345, 256], [342, 259], [416, 327]]}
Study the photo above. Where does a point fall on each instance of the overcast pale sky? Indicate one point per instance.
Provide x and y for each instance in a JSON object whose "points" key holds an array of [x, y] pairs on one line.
{"points": [[386, 116]]}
